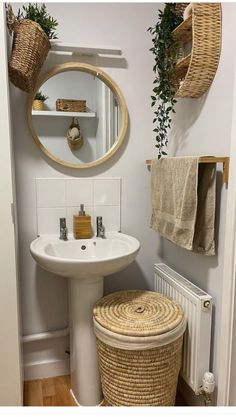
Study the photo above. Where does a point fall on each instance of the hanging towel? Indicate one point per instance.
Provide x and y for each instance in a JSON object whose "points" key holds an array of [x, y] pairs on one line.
{"points": [[183, 202]]}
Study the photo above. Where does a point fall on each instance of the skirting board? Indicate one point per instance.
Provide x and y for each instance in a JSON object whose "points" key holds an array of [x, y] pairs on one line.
{"points": [[46, 369], [46, 357]]}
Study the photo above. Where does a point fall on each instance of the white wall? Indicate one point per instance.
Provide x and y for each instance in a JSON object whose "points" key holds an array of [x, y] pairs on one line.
{"points": [[203, 127], [228, 327], [10, 358], [44, 296]]}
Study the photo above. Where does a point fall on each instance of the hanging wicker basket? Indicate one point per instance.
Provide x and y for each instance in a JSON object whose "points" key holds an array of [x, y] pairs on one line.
{"points": [[29, 51], [74, 136], [180, 7], [195, 72]]}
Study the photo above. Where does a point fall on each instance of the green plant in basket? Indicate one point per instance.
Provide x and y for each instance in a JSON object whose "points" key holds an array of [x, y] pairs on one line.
{"points": [[39, 99], [164, 50], [39, 14], [40, 96]]}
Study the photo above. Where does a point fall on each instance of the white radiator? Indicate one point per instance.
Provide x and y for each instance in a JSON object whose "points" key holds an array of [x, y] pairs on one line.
{"points": [[197, 306]]}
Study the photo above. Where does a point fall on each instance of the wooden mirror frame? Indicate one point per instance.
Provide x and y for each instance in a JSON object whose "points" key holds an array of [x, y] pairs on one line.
{"points": [[76, 66]]}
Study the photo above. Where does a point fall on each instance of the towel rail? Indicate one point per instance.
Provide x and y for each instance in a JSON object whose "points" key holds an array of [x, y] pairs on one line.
{"points": [[211, 159]]}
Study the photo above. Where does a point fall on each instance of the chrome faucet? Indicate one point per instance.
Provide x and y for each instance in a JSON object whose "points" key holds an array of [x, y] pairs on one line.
{"points": [[63, 229], [100, 228]]}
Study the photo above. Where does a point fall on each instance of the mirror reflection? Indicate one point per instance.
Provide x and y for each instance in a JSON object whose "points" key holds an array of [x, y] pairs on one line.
{"points": [[78, 119]]}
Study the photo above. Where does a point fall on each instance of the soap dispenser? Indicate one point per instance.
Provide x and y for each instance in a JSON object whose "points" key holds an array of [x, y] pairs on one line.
{"points": [[82, 225]]}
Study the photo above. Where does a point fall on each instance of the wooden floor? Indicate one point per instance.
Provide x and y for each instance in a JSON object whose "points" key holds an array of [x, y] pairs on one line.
{"points": [[56, 392], [48, 392]]}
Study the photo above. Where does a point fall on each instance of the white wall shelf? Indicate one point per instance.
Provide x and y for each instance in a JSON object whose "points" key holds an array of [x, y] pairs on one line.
{"points": [[63, 113], [64, 48]]}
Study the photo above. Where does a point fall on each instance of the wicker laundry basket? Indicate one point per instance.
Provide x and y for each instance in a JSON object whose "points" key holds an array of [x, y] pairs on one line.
{"points": [[139, 342]]}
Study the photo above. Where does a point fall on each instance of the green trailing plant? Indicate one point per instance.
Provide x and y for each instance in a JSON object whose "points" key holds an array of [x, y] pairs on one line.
{"points": [[40, 96], [39, 15], [164, 51]]}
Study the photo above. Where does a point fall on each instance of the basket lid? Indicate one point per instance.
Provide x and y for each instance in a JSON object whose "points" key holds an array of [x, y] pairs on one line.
{"points": [[138, 313]]}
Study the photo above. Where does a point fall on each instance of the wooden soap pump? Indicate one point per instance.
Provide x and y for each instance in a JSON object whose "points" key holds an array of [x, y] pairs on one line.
{"points": [[82, 225]]}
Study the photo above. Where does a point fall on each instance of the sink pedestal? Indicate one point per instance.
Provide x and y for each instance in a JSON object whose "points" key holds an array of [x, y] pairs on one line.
{"points": [[85, 377], [85, 262]]}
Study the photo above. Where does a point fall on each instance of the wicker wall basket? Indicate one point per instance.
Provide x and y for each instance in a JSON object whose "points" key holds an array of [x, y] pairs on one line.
{"points": [[206, 48], [70, 105], [139, 341], [29, 51], [180, 7]]}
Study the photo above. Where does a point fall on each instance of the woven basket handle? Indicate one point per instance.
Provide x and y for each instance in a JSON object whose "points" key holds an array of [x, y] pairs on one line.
{"points": [[11, 18], [140, 309]]}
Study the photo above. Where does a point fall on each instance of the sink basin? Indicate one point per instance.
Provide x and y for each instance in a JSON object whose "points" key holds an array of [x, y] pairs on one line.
{"points": [[85, 257], [85, 262]]}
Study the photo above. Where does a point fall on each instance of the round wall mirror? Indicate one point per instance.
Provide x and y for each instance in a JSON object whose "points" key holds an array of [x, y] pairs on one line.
{"points": [[79, 118]]}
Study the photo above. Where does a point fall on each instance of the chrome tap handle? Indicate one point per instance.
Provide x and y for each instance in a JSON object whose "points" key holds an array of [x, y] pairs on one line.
{"points": [[100, 227], [99, 220], [62, 222], [63, 229]]}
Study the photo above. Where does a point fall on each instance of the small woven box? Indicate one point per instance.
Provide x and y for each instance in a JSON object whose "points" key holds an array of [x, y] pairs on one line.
{"points": [[64, 104], [139, 342]]}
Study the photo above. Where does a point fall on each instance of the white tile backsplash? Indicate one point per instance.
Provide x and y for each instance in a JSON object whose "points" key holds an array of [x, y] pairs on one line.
{"points": [[79, 191], [49, 219], [61, 197], [50, 192], [110, 217], [106, 192]]}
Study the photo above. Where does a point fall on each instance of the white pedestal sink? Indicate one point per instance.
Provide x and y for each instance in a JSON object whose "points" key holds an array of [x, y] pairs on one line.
{"points": [[85, 262]]}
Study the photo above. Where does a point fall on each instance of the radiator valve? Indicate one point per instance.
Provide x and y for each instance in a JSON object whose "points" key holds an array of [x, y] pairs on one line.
{"points": [[208, 386], [208, 382]]}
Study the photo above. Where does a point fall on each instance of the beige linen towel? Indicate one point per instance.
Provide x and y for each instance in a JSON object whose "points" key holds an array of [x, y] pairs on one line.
{"points": [[183, 202]]}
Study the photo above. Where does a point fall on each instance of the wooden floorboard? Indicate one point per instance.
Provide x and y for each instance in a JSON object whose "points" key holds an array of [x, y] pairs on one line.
{"points": [[48, 392], [33, 394], [54, 392]]}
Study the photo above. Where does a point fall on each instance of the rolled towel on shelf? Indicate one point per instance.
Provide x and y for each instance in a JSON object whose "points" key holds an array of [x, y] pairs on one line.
{"points": [[183, 202]]}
